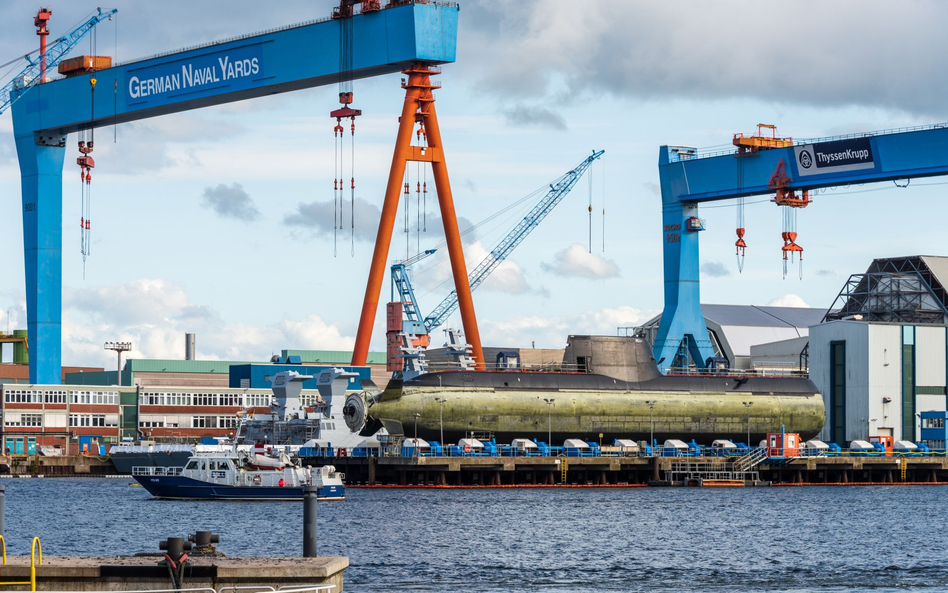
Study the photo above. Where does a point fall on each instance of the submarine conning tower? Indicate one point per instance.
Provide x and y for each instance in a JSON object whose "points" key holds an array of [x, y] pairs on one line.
{"points": [[620, 357]]}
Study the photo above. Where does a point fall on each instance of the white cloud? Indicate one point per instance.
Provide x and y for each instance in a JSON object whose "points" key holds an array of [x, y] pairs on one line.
{"points": [[788, 300], [155, 314], [230, 201], [715, 269], [554, 51], [576, 262], [552, 332], [509, 277]]}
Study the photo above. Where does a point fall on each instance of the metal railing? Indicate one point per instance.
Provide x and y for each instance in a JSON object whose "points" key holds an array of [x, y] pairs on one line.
{"points": [[238, 589], [745, 457], [714, 151], [770, 372], [754, 458], [151, 470], [36, 557]]}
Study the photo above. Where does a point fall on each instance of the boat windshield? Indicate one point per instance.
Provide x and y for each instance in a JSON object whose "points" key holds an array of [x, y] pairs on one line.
{"points": [[194, 464]]}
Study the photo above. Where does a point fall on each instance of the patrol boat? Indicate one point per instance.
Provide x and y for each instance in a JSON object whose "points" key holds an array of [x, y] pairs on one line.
{"points": [[240, 475]]}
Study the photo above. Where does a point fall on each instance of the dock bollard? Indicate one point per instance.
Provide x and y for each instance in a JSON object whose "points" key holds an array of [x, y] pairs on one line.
{"points": [[309, 521]]}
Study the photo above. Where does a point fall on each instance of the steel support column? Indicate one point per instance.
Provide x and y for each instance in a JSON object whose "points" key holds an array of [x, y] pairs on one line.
{"points": [[41, 179], [682, 319], [453, 237]]}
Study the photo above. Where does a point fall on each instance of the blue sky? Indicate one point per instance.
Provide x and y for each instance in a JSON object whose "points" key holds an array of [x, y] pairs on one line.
{"points": [[191, 210]]}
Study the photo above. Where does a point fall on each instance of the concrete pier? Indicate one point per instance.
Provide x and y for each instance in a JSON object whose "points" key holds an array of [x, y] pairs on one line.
{"points": [[486, 472], [129, 573]]}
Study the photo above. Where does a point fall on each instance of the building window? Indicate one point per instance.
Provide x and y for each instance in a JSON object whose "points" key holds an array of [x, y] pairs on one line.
{"points": [[257, 400], [56, 397], [23, 396], [838, 392], [23, 420], [908, 382], [203, 421], [205, 399], [227, 422], [230, 399], [84, 420]]}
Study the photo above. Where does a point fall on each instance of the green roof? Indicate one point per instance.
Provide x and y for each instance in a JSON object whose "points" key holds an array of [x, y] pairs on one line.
{"points": [[333, 356], [94, 378], [137, 365]]}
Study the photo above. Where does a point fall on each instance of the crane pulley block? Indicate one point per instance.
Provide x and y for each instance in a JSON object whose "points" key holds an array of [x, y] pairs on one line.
{"points": [[785, 196]]}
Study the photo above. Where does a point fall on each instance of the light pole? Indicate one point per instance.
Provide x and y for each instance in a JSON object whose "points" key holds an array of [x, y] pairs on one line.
{"points": [[441, 401], [747, 406], [651, 421], [119, 348], [415, 448], [549, 404]]}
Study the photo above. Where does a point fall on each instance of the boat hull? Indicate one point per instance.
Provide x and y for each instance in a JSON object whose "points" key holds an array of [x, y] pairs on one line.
{"points": [[183, 488], [124, 462], [592, 407]]}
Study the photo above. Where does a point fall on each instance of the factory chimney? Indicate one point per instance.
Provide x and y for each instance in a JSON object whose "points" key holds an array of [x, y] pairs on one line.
{"points": [[189, 351]]}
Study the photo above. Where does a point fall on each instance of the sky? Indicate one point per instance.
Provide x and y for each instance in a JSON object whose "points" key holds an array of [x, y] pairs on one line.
{"points": [[218, 221]]}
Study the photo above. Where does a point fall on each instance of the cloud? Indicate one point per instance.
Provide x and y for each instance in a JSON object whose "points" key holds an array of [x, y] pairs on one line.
{"points": [[788, 300], [551, 50], [536, 117], [230, 201], [154, 315], [552, 331], [322, 217], [653, 188], [715, 269], [160, 143], [509, 277], [825, 273], [576, 262]]}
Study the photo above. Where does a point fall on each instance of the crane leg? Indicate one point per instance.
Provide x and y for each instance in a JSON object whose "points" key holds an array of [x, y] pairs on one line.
{"points": [[418, 97], [383, 239], [453, 237]]}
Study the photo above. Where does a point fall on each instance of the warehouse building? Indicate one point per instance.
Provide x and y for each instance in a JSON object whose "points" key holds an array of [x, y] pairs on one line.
{"points": [[735, 329], [880, 357]]}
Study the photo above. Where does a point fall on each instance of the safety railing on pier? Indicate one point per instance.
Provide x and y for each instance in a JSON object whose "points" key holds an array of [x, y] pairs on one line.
{"points": [[710, 469], [746, 457], [240, 589]]}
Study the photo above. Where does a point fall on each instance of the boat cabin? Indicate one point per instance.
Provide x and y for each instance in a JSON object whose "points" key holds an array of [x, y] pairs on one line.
{"points": [[230, 471]]}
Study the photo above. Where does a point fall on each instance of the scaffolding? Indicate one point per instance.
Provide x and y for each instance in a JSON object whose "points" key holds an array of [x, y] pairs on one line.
{"points": [[897, 290]]}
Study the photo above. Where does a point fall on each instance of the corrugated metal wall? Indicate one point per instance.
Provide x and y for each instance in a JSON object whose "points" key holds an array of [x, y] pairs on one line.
{"points": [[885, 381], [930, 357]]}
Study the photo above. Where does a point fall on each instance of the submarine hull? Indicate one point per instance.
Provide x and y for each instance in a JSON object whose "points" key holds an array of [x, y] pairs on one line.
{"points": [[593, 407]]}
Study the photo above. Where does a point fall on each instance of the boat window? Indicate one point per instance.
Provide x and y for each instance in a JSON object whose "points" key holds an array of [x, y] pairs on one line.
{"points": [[193, 464], [224, 465]]}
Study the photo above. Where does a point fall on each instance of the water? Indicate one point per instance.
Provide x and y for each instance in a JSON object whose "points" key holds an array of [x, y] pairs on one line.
{"points": [[644, 539]]}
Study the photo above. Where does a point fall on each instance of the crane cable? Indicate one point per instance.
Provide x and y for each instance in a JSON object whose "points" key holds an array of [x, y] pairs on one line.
{"points": [[602, 165], [352, 189], [590, 175]]}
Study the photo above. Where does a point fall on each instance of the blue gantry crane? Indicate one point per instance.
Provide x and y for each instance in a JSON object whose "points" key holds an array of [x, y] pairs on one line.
{"points": [[410, 37], [689, 179], [35, 70], [413, 323]]}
